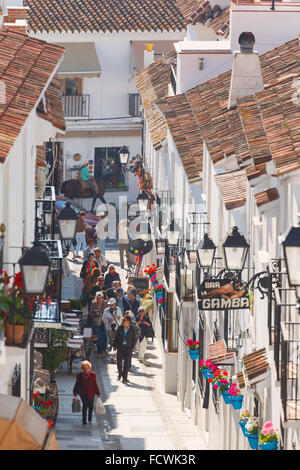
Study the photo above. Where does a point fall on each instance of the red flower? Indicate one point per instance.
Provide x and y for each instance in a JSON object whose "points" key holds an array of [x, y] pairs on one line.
{"points": [[50, 424], [225, 373], [210, 380]]}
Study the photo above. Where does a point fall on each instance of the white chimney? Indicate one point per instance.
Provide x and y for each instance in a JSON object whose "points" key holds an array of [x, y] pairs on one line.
{"points": [[148, 55], [246, 77]]}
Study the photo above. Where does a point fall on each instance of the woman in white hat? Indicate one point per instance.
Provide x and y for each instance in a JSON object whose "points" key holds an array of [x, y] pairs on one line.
{"points": [[112, 319]]}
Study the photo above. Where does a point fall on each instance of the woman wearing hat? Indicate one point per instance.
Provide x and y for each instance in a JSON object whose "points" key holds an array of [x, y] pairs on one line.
{"points": [[112, 319], [86, 386]]}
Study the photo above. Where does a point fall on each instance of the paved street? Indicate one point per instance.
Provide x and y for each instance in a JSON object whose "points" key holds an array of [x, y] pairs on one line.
{"points": [[138, 415]]}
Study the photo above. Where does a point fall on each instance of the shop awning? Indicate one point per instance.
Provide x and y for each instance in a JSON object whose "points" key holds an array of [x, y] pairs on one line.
{"points": [[22, 428], [80, 60]]}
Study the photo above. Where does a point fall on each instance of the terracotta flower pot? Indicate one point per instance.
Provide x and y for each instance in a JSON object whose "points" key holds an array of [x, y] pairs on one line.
{"points": [[14, 334]]}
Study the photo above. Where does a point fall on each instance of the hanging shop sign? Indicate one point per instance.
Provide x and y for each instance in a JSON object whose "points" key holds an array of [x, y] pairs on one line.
{"points": [[223, 294]]}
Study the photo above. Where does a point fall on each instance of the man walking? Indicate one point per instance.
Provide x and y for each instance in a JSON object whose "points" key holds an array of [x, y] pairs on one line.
{"points": [[123, 239], [80, 234], [112, 318], [90, 249], [124, 342]]}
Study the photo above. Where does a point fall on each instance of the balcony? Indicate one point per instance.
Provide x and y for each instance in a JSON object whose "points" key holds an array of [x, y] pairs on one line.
{"points": [[76, 106], [289, 371]]}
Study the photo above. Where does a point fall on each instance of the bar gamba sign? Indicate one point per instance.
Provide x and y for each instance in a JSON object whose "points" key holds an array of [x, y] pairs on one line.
{"points": [[222, 294]]}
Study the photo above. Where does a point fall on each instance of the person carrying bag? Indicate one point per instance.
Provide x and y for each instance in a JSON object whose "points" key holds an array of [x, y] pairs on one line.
{"points": [[86, 387]]}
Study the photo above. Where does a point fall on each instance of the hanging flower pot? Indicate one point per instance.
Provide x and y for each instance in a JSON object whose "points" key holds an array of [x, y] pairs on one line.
{"points": [[14, 334], [226, 397], [253, 440], [269, 445], [237, 401], [242, 425], [194, 354]]}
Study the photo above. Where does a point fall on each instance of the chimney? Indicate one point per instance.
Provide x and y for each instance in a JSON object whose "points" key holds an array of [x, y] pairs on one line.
{"points": [[148, 55], [246, 77], [15, 19]]}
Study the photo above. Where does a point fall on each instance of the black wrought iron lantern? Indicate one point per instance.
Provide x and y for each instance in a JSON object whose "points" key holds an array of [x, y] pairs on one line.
{"points": [[67, 220], [35, 265], [173, 233], [235, 250], [124, 155], [143, 200], [206, 251], [291, 252]]}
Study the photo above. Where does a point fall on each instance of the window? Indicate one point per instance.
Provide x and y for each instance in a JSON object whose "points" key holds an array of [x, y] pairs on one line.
{"points": [[72, 86], [108, 166]]}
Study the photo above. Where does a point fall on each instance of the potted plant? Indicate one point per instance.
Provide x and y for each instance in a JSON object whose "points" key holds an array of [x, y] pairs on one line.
{"points": [[252, 432], [220, 381], [207, 368], [42, 407], [16, 308], [56, 352], [236, 398], [244, 417], [268, 439], [193, 348]]}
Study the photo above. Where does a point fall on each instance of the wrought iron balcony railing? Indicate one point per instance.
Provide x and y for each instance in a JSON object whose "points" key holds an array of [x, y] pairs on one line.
{"points": [[76, 106], [289, 371]]}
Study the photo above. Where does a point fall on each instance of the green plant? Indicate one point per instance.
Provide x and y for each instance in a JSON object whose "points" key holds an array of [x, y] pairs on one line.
{"points": [[268, 433], [252, 425], [56, 353], [75, 304], [15, 305], [245, 416]]}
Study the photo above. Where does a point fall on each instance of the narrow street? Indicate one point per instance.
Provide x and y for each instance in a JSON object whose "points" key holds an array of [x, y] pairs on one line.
{"points": [[139, 415]]}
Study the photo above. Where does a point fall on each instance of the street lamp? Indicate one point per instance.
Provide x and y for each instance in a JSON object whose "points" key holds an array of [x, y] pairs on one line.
{"points": [[35, 265], [173, 233], [143, 200], [291, 251], [235, 250], [206, 251], [67, 220], [124, 155]]}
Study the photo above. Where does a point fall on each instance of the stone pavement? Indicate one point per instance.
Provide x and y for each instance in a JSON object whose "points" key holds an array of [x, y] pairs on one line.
{"points": [[139, 415]]}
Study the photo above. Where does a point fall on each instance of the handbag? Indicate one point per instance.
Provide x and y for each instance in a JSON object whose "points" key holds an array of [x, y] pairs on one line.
{"points": [[76, 405], [149, 333], [99, 407]]}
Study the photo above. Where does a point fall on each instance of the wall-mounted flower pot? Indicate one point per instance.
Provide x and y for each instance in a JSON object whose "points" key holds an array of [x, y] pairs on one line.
{"points": [[269, 445], [14, 334], [237, 401], [207, 373], [253, 440], [194, 354], [242, 425], [226, 397]]}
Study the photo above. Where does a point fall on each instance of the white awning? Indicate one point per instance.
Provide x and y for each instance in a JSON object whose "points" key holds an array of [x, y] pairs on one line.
{"points": [[80, 60]]}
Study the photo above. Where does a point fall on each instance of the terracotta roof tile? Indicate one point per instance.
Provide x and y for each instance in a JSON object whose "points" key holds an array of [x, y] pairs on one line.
{"points": [[104, 15], [266, 196], [185, 132], [26, 65], [54, 107], [193, 10], [220, 23], [233, 188], [153, 84]]}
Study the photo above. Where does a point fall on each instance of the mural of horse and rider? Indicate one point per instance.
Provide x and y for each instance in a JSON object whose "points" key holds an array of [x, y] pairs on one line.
{"points": [[107, 174]]}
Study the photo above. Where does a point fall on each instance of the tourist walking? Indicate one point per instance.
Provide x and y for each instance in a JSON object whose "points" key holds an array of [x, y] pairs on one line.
{"points": [[88, 266], [80, 234], [144, 323], [89, 249], [101, 260], [90, 281], [112, 319], [112, 292], [102, 231], [123, 239], [124, 342], [98, 307], [122, 303], [111, 276], [133, 302], [99, 287], [86, 387]]}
